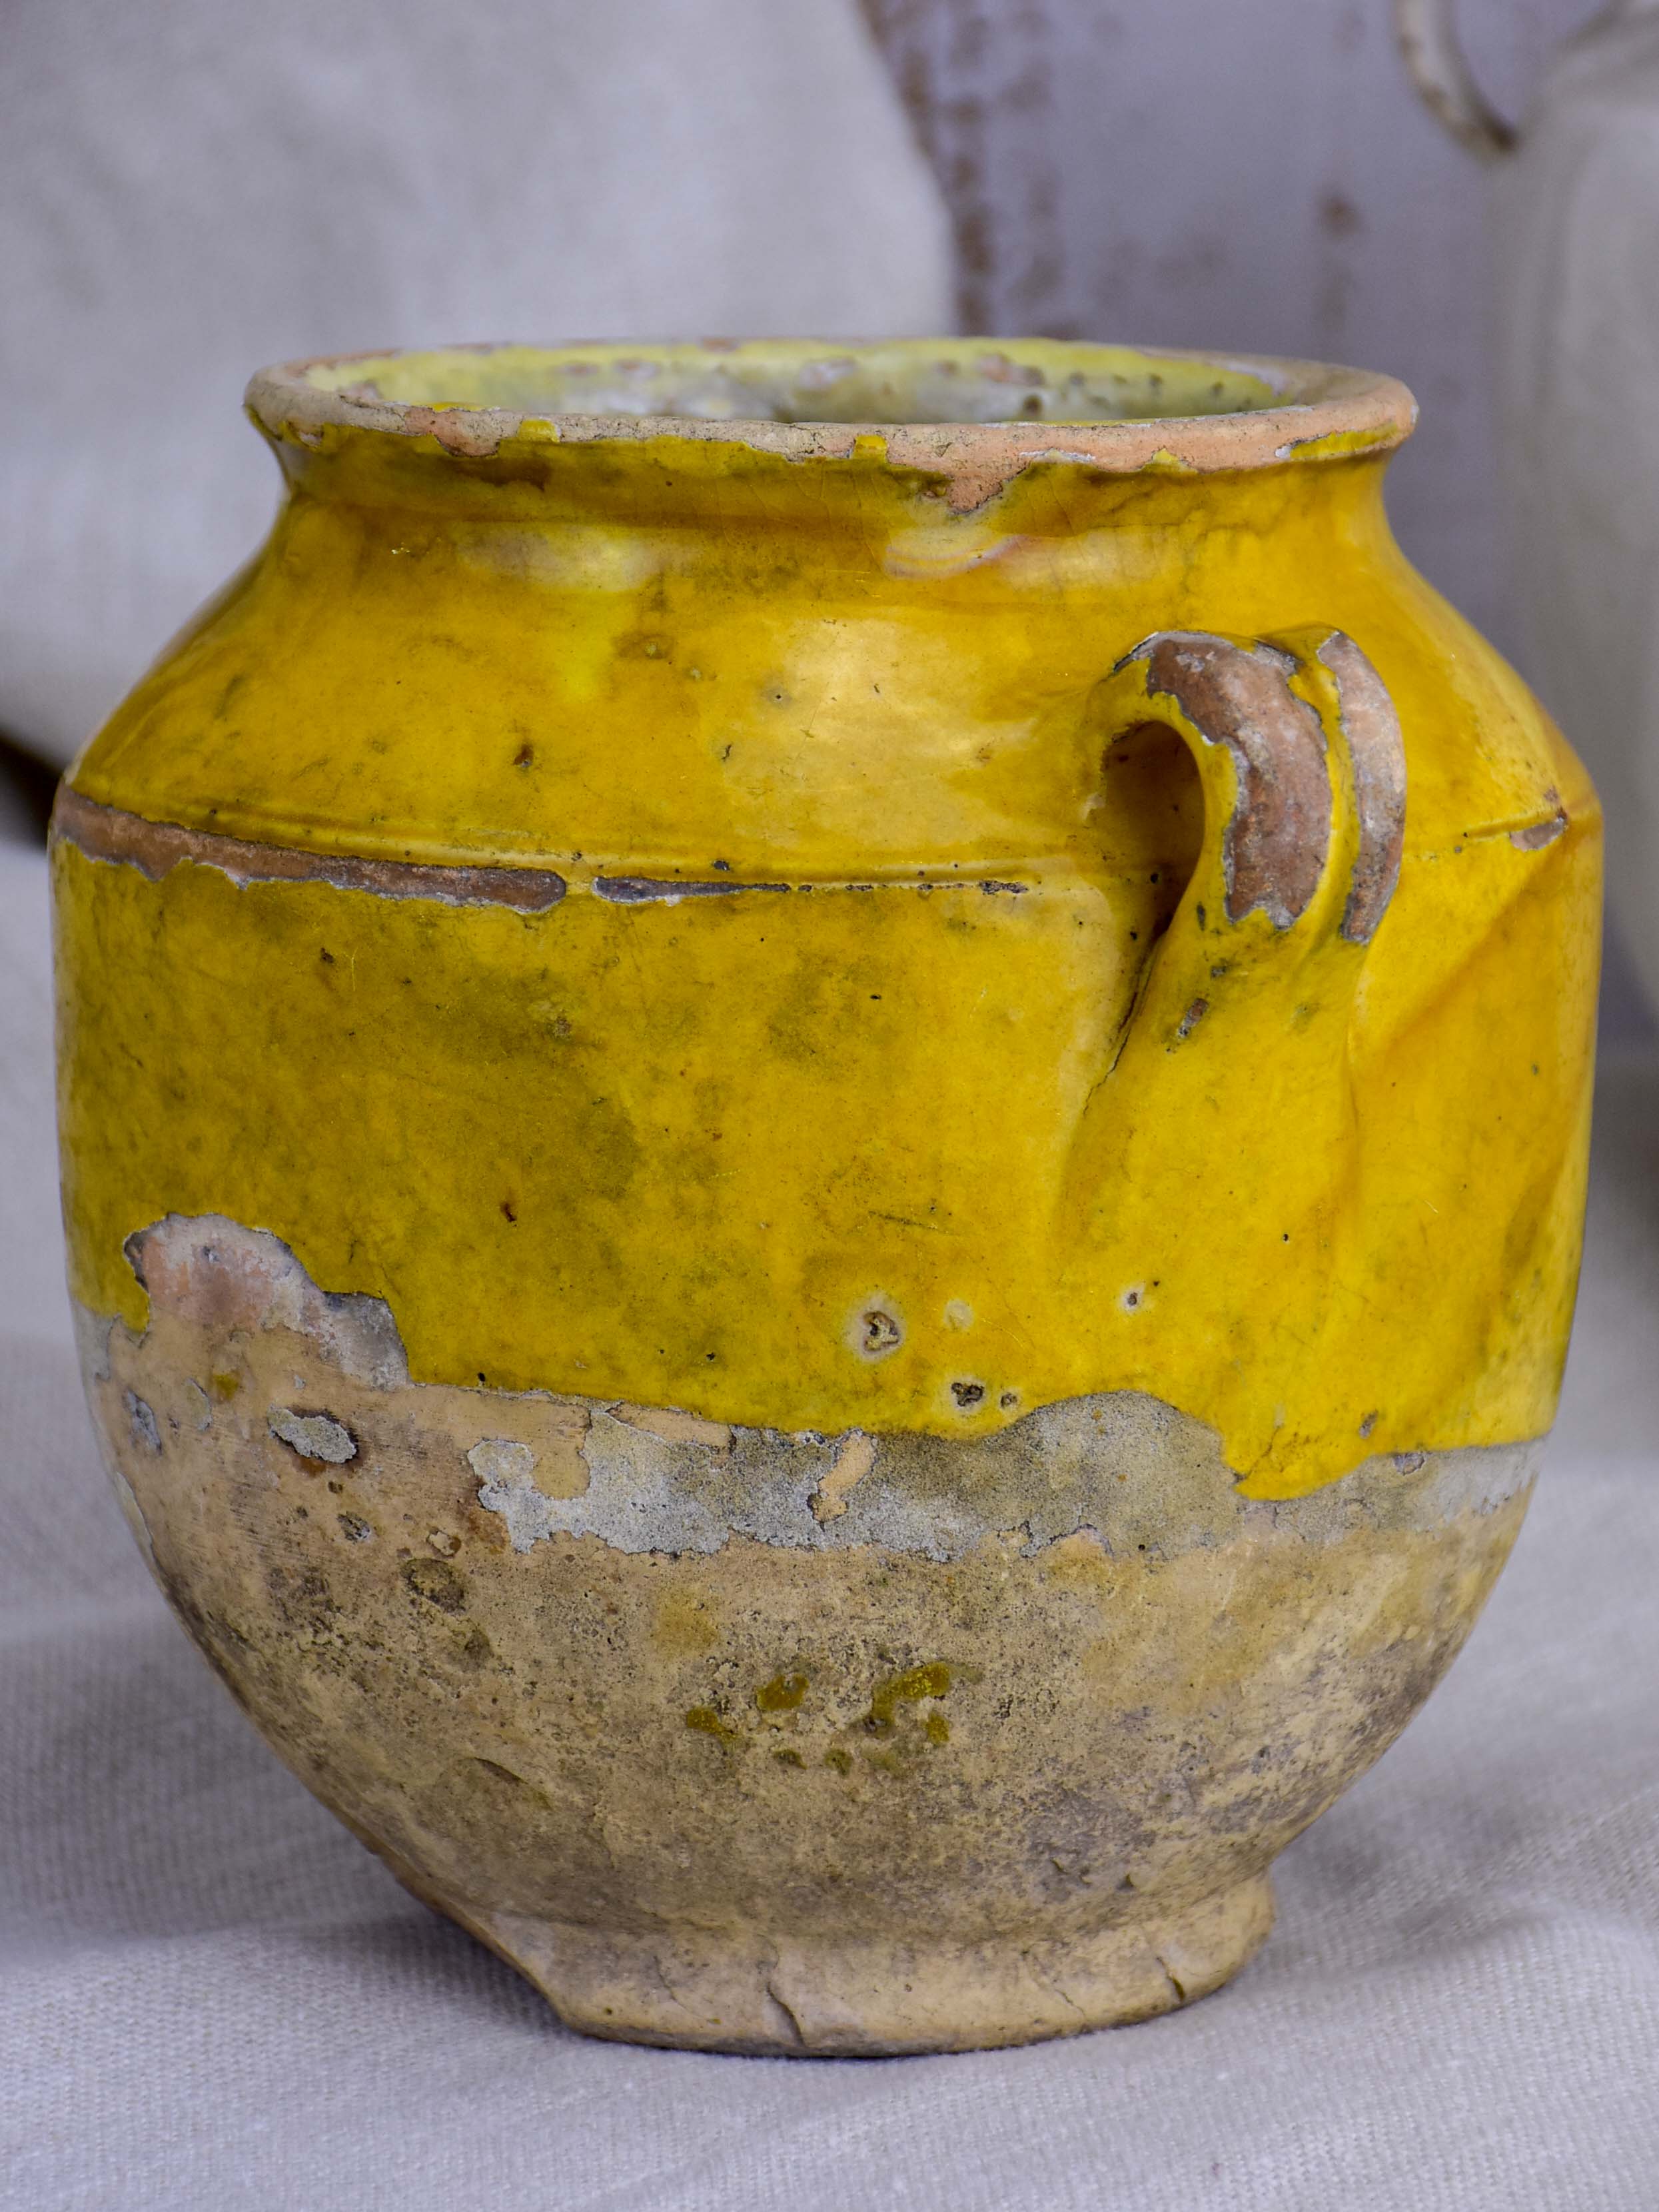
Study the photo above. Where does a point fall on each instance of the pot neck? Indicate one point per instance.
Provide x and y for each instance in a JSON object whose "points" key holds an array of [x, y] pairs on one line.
{"points": [[956, 420]]}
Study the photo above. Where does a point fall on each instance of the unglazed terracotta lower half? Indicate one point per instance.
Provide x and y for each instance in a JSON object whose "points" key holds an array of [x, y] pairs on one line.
{"points": [[763, 1743]]}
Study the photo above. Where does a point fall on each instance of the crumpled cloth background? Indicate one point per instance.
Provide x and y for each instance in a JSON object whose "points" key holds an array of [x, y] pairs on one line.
{"points": [[213, 1997]]}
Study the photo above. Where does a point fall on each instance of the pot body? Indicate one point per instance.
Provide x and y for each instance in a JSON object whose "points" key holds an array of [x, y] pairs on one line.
{"points": [[826, 1179]]}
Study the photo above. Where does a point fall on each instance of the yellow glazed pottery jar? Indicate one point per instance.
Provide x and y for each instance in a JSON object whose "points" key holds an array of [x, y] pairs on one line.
{"points": [[824, 1119]]}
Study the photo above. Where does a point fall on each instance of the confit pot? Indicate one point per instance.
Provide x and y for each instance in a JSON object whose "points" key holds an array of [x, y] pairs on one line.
{"points": [[824, 1121]]}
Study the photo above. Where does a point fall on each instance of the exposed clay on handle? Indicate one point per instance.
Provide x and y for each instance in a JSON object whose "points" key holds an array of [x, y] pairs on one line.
{"points": [[1275, 845], [1378, 754]]}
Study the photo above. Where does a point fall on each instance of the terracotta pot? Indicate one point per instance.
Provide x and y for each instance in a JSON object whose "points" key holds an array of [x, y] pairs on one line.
{"points": [[823, 1124]]}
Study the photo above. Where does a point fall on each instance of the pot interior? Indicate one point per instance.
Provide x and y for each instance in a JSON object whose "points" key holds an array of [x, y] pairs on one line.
{"points": [[901, 381]]}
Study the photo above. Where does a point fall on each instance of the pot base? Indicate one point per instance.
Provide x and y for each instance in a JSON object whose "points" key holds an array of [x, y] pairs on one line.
{"points": [[695, 1989], [761, 1742]]}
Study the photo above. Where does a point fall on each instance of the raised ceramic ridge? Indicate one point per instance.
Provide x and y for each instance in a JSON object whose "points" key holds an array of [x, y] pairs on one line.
{"points": [[155, 848], [1325, 411], [116, 835]]}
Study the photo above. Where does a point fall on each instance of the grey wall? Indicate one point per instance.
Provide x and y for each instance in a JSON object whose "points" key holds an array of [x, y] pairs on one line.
{"points": [[1255, 174]]}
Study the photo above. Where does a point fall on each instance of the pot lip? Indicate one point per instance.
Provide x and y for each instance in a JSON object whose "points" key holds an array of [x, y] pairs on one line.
{"points": [[1310, 412]]}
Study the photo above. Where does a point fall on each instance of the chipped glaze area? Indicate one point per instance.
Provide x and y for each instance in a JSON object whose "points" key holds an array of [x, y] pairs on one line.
{"points": [[699, 1725], [1133, 1475]]}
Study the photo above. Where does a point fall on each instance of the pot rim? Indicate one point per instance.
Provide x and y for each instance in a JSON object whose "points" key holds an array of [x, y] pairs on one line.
{"points": [[1284, 409]]}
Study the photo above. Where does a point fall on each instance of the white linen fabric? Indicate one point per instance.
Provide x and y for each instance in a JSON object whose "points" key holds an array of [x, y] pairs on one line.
{"points": [[190, 189], [211, 1997]]}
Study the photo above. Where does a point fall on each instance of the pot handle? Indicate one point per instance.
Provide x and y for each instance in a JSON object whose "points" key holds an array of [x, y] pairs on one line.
{"points": [[1427, 38], [1299, 756], [1435, 62]]}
